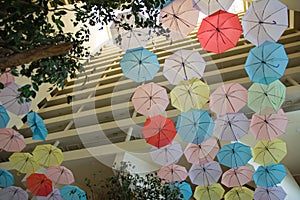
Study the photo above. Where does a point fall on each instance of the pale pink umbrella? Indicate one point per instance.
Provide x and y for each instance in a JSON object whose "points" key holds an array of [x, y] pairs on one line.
{"points": [[172, 173], [202, 153], [166, 155], [60, 175], [268, 127], [235, 177], [11, 140], [6, 77]]}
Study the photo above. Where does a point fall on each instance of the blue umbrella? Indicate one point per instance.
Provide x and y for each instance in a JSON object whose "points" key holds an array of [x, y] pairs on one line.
{"points": [[167, 2], [234, 155], [139, 64], [267, 63], [184, 189], [269, 176], [6, 178], [70, 192], [37, 126], [195, 126], [4, 118]]}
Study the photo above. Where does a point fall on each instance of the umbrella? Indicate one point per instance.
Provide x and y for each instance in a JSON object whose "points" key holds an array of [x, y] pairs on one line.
{"points": [[13, 193], [239, 193], [267, 63], [268, 127], [149, 96], [172, 173], [202, 153], [6, 178], [70, 192], [265, 20], [139, 64], [205, 174], [183, 65], [6, 77], [266, 99], [269, 152], [184, 189], [235, 177], [37, 126], [211, 192], [166, 155], [272, 193], [23, 162], [189, 94], [228, 98], [210, 6], [231, 126], [11, 140], [4, 117], [219, 31], [159, 131], [269, 176], [54, 195], [60, 175], [48, 155], [234, 155], [39, 184], [195, 126], [11, 100]]}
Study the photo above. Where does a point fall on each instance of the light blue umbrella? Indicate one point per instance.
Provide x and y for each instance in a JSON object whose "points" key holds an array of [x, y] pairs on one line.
{"points": [[37, 126], [6, 178], [267, 63], [234, 155], [13, 193], [195, 126], [269, 176], [139, 64], [70, 192], [4, 117], [184, 189]]}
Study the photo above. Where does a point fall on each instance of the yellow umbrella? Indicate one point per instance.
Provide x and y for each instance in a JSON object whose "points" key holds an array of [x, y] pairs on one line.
{"points": [[269, 152], [192, 93], [23, 162], [48, 155], [239, 193], [211, 192]]}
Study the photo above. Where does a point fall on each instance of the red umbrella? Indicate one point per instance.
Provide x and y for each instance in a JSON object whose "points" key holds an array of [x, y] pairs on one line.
{"points": [[11, 140], [159, 131], [39, 184], [219, 31], [172, 173], [235, 177]]}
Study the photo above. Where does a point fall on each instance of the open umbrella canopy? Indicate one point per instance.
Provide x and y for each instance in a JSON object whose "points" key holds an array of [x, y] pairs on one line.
{"points": [[271, 193], [184, 189], [211, 192], [265, 20], [4, 117], [39, 184], [139, 64], [13, 193], [205, 174], [183, 65], [54, 195], [269, 176], [172, 173], [70, 192], [11, 140], [6, 178], [48, 155], [23, 162], [37, 126], [60, 175], [239, 193], [266, 99], [210, 6], [236, 177], [166, 155], [6, 77], [219, 31]]}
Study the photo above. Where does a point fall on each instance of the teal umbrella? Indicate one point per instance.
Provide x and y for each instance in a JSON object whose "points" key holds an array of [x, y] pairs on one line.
{"points": [[6, 178], [37, 126], [4, 117], [70, 192], [269, 176], [184, 189]]}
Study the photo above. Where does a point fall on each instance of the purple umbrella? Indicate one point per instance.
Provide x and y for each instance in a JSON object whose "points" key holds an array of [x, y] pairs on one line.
{"points": [[272, 193], [206, 174], [166, 155], [54, 195], [13, 193]]}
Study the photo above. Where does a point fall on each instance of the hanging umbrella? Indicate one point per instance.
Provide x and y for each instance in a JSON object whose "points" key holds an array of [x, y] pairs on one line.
{"points": [[236, 177], [54, 195], [211, 192], [219, 31], [60, 175], [202, 153], [39, 184], [189, 94], [265, 20], [159, 131], [266, 99], [139, 64], [6, 178], [37, 126], [268, 127], [184, 189], [239, 193], [205, 174], [183, 65], [4, 117], [11, 100], [48, 155], [269, 176], [6, 77], [228, 98], [272, 193], [194, 126], [23, 162], [231, 126], [210, 6], [11, 140], [234, 155], [13, 193], [269, 152], [166, 155], [70, 192], [147, 96], [172, 173]]}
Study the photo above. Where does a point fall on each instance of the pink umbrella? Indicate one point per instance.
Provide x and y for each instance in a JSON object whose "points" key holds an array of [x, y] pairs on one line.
{"points": [[235, 177], [172, 173], [60, 175], [11, 140], [166, 155], [202, 153], [268, 127], [228, 98], [54, 195], [6, 77], [206, 174]]}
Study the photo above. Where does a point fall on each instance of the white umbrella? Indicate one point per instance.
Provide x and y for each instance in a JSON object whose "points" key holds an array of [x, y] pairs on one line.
{"points": [[208, 7], [166, 155]]}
